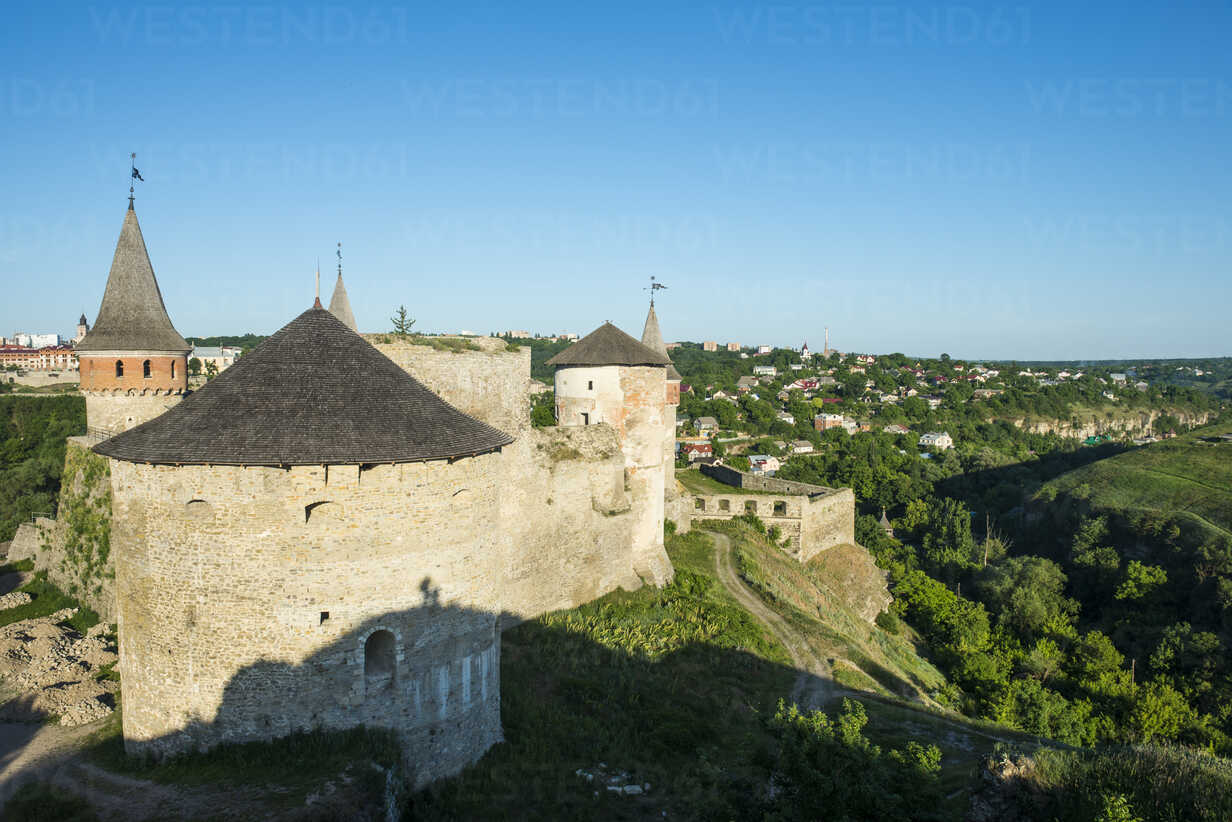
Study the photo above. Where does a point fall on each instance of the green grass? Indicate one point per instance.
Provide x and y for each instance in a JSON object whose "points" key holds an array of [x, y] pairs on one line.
{"points": [[46, 600], [41, 802], [672, 686], [698, 483], [1157, 784], [1185, 475], [302, 759]]}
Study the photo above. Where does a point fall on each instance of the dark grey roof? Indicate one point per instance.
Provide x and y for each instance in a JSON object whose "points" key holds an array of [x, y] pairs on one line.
{"points": [[340, 306], [652, 338], [608, 345], [82, 321], [314, 393], [132, 316]]}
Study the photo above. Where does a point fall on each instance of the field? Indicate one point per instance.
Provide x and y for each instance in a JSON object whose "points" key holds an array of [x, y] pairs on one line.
{"points": [[1191, 475]]}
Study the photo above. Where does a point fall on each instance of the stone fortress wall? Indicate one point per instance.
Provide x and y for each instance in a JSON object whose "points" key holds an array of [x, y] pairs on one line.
{"points": [[111, 412], [568, 505], [256, 601], [814, 518]]}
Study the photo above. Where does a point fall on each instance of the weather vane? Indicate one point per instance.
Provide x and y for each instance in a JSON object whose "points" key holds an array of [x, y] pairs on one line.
{"points": [[652, 288], [136, 175]]}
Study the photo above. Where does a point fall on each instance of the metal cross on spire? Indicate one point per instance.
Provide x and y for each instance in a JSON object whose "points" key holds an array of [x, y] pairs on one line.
{"points": [[339, 259], [652, 288]]}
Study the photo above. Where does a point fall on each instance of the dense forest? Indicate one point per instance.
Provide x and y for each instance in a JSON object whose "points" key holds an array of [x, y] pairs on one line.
{"points": [[32, 437]]}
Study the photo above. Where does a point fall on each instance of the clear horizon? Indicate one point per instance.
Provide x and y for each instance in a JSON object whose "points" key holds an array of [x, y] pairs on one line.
{"points": [[1037, 182]]}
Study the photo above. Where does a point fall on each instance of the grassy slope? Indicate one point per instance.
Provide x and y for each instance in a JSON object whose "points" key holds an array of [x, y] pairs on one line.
{"points": [[1184, 474], [674, 687]]}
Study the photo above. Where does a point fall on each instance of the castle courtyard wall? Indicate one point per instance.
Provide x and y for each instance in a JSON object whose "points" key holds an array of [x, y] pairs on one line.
{"points": [[491, 384], [246, 596], [565, 520]]}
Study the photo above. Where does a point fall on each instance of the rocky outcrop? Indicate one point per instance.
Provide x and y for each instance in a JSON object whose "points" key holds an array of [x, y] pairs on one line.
{"points": [[1130, 423]]}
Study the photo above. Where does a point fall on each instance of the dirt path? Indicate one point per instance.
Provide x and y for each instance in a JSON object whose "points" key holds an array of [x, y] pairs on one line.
{"points": [[814, 685]]}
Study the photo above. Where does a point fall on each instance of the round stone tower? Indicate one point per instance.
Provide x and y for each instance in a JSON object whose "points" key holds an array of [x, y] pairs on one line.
{"points": [[310, 540], [133, 363], [609, 377]]}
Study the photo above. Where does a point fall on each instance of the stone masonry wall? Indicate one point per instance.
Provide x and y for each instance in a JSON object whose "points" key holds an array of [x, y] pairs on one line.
{"points": [[565, 520], [786, 512], [829, 521], [492, 384], [115, 412], [741, 479], [250, 598]]}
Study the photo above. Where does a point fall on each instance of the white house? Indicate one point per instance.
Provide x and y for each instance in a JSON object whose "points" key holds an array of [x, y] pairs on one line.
{"points": [[801, 447], [765, 371], [937, 440], [764, 464]]}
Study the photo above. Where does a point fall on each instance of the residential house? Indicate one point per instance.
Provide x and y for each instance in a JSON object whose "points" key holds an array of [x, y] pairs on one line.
{"points": [[824, 422], [694, 450], [783, 416], [765, 371], [707, 425], [937, 440], [801, 447], [895, 428], [764, 349], [745, 383], [764, 464]]}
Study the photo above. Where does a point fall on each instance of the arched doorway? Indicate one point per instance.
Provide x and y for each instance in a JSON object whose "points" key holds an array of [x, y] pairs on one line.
{"points": [[379, 661]]}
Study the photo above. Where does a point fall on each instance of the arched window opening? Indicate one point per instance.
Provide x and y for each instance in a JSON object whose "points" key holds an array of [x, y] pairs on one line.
{"points": [[780, 509], [324, 509], [145, 369], [119, 368], [378, 661], [173, 369]]}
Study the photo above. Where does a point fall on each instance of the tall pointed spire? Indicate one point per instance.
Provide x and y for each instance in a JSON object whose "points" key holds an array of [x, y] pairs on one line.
{"points": [[132, 316], [339, 304], [652, 338]]}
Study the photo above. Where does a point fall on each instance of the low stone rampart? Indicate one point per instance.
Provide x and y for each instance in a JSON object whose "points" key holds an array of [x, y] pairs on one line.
{"points": [[752, 482], [812, 517]]}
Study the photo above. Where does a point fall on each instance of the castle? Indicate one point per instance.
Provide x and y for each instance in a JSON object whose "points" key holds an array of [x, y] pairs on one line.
{"points": [[334, 531]]}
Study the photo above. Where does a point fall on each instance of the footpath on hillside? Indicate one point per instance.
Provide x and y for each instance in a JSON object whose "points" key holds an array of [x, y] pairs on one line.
{"points": [[814, 685]]}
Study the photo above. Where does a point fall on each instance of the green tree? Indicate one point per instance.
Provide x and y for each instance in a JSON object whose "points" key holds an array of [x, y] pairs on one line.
{"points": [[402, 323], [194, 366]]}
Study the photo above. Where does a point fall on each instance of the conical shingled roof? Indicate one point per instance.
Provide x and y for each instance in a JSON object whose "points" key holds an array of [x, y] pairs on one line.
{"points": [[314, 393], [132, 316], [340, 306], [652, 338], [608, 345]]}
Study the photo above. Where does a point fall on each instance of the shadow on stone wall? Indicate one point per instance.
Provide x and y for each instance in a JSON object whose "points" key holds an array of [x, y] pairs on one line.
{"points": [[578, 695]]}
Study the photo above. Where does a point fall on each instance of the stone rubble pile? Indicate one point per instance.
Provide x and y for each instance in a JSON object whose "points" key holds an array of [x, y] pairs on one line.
{"points": [[618, 782], [52, 669], [13, 599]]}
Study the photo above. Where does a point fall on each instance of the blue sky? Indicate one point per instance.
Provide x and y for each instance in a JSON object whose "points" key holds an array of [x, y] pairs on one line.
{"points": [[1039, 181]]}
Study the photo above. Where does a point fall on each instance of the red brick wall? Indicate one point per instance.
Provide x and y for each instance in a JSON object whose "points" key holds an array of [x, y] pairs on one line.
{"points": [[98, 373]]}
